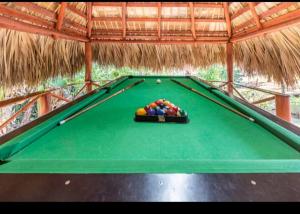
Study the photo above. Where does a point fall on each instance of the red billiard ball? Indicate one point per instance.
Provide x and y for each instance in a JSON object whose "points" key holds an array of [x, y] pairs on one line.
{"points": [[153, 105], [171, 112]]}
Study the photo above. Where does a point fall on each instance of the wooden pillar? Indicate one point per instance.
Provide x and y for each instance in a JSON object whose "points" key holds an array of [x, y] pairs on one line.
{"points": [[88, 65], [229, 63], [44, 104], [283, 107]]}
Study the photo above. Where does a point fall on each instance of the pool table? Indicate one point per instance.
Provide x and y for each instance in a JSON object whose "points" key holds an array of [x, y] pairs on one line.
{"points": [[106, 141]]}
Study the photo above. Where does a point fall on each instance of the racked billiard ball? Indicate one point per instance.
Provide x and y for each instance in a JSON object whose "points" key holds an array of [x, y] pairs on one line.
{"points": [[141, 112], [160, 112], [153, 105], [171, 112], [151, 112]]}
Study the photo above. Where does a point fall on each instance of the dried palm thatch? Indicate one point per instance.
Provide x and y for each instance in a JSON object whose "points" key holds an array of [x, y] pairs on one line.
{"points": [[158, 57], [30, 59], [276, 56]]}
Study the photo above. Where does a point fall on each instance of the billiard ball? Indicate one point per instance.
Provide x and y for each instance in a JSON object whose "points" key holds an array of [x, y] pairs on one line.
{"points": [[158, 102], [171, 112], [161, 105], [166, 102], [175, 108], [160, 112], [158, 81], [141, 112], [153, 105], [151, 112], [147, 108]]}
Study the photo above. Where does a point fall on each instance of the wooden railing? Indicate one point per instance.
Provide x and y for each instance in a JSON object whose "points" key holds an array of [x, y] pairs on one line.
{"points": [[43, 100], [282, 101]]}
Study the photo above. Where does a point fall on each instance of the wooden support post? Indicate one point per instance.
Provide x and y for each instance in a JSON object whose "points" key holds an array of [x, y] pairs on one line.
{"points": [[229, 62], [283, 107], [44, 104], [88, 66]]}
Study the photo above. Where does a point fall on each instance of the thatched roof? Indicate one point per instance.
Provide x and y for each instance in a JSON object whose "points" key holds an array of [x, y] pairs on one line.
{"points": [[46, 39]]}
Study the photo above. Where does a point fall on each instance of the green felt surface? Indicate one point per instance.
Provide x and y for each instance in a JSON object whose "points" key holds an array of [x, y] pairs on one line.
{"points": [[106, 139]]}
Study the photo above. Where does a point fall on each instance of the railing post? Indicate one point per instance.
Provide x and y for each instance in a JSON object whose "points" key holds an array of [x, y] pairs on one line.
{"points": [[44, 104], [229, 63], [283, 107], [88, 66]]}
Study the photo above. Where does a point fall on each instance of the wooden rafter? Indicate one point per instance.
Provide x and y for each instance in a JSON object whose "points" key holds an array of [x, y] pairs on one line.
{"points": [[243, 25], [154, 32], [277, 8], [89, 18], [254, 14], [26, 17], [124, 12], [191, 5], [164, 4], [61, 14], [37, 9], [144, 19], [76, 11], [242, 10], [227, 18], [282, 22], [159, 19], [21, 26]]}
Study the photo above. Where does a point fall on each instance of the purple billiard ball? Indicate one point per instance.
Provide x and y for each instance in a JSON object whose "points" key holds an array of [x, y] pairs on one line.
{"points": [[151, 112]]}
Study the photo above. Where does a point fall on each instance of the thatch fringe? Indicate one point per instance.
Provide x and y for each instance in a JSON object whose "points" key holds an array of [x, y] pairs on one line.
{"points": [[158, 57], [31, 59], [276, 56]]}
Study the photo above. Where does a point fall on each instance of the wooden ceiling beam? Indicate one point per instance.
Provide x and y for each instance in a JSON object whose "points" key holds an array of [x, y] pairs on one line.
{"points": [[243, 25], [158, 42], [75, 25], [143, 19], [25, 17], [37, 9], [280, 23], [275, 9], [159, 19], [89, 18], [76, 11], [242, 10], [164, 4], [254, 14], [146, 38], [115, 31], [124, 12], [61, 15], [24, 27], [227, 18], [191, 5]]}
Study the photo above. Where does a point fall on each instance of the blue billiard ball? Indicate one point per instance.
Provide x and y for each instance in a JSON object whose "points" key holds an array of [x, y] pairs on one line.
{"points": [[160, 112]]}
